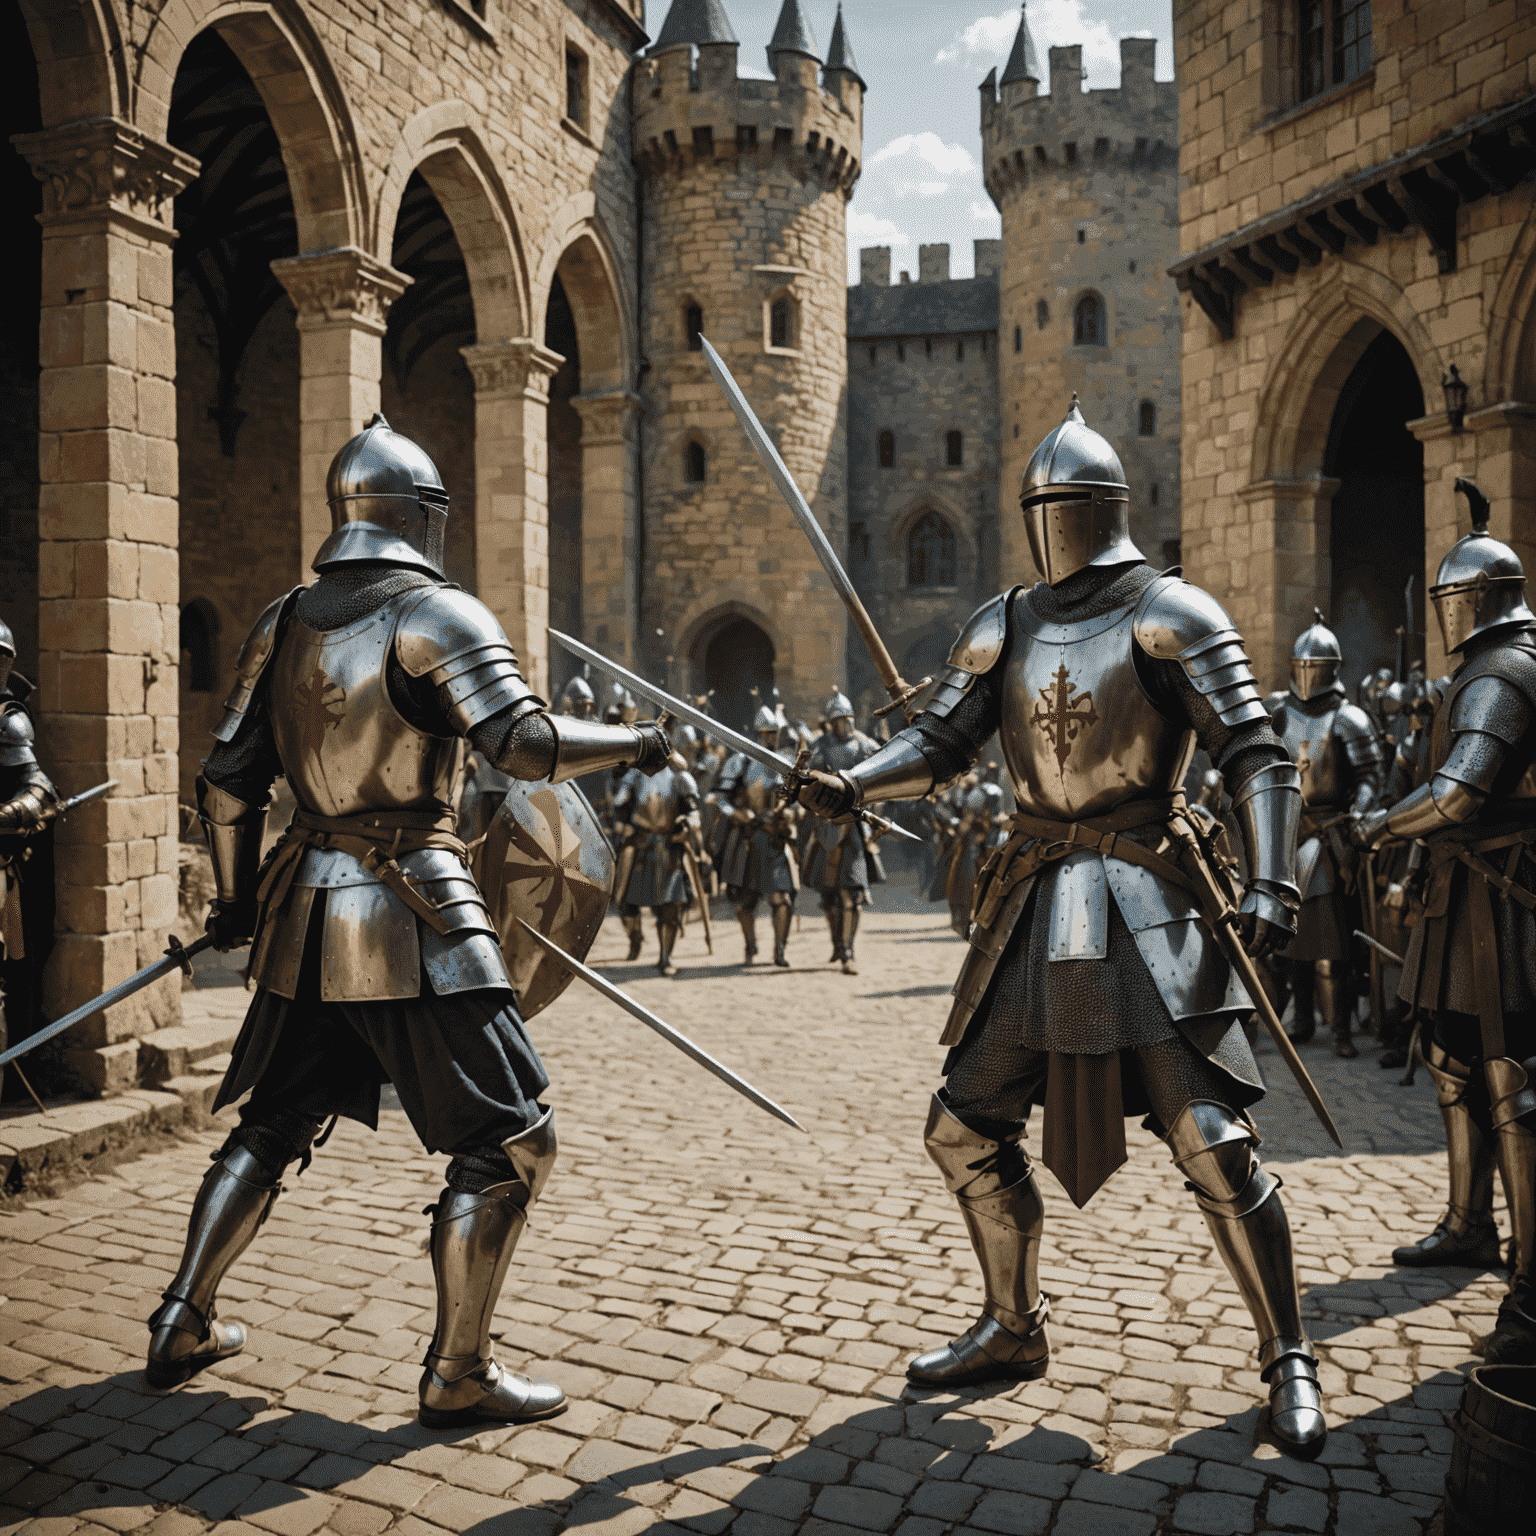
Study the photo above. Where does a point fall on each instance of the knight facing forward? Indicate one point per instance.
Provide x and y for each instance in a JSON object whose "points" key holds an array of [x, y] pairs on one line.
{"points": [[1092, 984], [374, 957], [840, 862], [1336, 751], [1471, 964]]}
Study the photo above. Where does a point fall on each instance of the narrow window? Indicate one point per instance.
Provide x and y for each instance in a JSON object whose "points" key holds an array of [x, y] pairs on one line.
{"points": [[901, 351], [1018, 338], [1153, 499], [954, 449], [1070, 150], [1148, 423], [1082, 237], [576, 85], [693, 324], [1042, 315], [931, 552], [1088, 322], [694, 464], [1100, 148], [887, 450], [928, 346], [200, 645], [781, 323], [1333, 43]]}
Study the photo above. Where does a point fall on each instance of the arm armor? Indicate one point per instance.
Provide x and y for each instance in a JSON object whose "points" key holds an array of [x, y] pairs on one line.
{"points": [[1267, 808], [234, 831], [252, 662], [586, 746], [1362, 747], [898, 771], [17, 741], [453, 639], [1178, 622], [975, 653]]}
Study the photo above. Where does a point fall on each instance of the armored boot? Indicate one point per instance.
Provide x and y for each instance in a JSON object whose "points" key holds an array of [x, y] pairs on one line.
{"points": [[236, 1196], [1395, 1031], [835, 928], [748, 920], [1466, 1234], [1213, 1148], [1336, 1003], [668, 927], [1304, 1020], [850, 929], [994, 1186], [782, 915], [635, 928], [1512, 1090], [473, 1236]]}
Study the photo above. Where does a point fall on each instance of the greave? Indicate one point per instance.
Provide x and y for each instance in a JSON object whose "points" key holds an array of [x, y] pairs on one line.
{"points": [[748, 921], [236, 1195], [782, 915], [667, 930], [835, 928], [1335, 1002], [850, 929], [1512, 1092]]}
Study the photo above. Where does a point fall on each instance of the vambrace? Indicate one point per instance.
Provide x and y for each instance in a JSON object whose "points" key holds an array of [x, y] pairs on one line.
{"points": [[1267, 806], [1446, 801], [29, 811], [898, 771], [587, 746], [234, 831], [1365, 757]]}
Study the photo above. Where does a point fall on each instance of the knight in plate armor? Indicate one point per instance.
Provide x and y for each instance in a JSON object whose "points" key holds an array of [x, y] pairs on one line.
{"points": [[756, 855], [656, 827], [577, 699], [1471, 964], [982, 827], [841, 862], [1094, 983], [1338, 755], [372, 952]]}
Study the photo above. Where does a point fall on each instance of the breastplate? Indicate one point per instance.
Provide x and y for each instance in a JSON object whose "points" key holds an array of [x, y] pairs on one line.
{"points": [[759, 787], [834, 755], [1079, 734], [344, 747], [1326, 775], [656, 802]]}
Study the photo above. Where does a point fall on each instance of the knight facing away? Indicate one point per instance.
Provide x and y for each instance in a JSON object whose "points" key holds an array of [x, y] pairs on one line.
{"points": [[1094, 985], [373, 953]]}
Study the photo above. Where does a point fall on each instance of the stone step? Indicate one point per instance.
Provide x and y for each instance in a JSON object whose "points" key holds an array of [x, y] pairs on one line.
{"points": [[204, 1032]]}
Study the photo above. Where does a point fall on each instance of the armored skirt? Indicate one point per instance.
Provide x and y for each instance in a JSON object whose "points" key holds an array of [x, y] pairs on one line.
{"points": [[755, 861], [659, 877], [839, 858], [1330, 904]]}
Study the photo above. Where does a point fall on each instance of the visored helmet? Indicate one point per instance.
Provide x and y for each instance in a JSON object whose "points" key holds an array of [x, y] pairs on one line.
{"points": [[7, 654], [838, 707], [387, 502], [1315, 661], [577, 699], [1480, 586], [1076, 501]]}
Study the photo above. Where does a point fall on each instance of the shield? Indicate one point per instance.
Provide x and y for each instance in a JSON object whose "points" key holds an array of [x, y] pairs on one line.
{"points": [[544, 860]]}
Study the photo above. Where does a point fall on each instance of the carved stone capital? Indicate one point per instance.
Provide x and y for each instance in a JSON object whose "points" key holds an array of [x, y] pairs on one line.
{"points": [[519, 367], [608, 417], [340, 285], [101, 166]]}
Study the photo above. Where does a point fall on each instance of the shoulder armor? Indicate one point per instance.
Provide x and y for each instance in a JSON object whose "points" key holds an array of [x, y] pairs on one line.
{"points": [[1176, 621], [1351, 723], [1275, 702], [975, 652], [1493, 705], [16, 737], [687, 784], [454, 639], [252, 661]]}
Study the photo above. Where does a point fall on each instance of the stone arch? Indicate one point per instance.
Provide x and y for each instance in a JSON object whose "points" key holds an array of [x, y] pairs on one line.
{"points": [[1509, 372], [280, 50], [732, 702], [81, 61], [445, 144], [578, 248]]}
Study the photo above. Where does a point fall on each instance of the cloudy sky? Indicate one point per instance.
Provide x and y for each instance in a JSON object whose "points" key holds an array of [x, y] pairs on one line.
{"points": [[923, 60]]}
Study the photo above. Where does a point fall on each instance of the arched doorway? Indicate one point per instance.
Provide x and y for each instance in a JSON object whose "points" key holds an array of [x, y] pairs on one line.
{"points": [[565, 530], [738, 671], [1376, 538]]}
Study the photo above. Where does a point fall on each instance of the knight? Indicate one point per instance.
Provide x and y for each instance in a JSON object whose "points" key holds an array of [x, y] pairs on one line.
{"points": [[982, 827], [1094, 983], [1338, 755], [756, 855], [1469, 968], [373, 955], [841, 862], [578, 700]]}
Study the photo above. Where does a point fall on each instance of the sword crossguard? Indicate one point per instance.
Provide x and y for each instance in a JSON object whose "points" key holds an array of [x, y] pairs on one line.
{"points": [[904, 695], [177, 951]]}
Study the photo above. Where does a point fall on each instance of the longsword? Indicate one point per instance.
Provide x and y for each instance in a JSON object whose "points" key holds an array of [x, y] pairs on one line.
{"points": [[788, 771], [676, 1037], [1390, 956], [903, 694]]}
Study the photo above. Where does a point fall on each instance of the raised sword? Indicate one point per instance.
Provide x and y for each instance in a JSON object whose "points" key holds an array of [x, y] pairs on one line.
{"points": [[903, 694], [791, 774]]}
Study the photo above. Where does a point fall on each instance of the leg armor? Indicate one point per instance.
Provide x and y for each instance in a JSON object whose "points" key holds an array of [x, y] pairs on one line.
{"points": [[1213, 1148], [1512, 1091], [1466, 1234], [237, 1195], [1336, 1002], [668, 926], [783, 914], [630, 918], [832, 907], [850, 906], [747, 916], [994, 1186], [473, 1235], [1304, 1021]]}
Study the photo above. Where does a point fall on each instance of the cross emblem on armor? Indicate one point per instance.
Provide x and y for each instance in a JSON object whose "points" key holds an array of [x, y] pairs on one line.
{"points": [[1304, 764], [1062, 714]]}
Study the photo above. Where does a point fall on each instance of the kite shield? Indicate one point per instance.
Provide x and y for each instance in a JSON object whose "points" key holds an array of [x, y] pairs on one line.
{"points": [[544, 861]]}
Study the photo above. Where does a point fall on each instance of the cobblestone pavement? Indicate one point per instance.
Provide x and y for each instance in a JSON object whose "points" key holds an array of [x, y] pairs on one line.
{"points": [[729, 1305]]}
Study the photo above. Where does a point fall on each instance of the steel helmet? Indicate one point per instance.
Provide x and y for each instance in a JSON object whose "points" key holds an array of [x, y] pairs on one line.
{"points": [[577, 699], [7, 654], [767, 719], [837, 708], [1315, 660], [1480, 586], [1076, 501], [387, 503]]}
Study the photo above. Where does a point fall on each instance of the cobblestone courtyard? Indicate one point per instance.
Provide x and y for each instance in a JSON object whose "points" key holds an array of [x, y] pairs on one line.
{"points": [[729, 1305]]}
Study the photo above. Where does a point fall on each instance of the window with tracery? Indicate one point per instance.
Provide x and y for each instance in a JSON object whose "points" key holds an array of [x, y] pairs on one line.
{"points": [[931, 552]]}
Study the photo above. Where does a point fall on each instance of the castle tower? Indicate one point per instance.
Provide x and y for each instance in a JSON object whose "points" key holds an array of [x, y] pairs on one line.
{"points": [[745, 186], [1087, 184]]}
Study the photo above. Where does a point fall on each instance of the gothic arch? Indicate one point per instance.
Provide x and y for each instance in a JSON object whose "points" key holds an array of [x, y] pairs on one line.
{"points": [[445, 144], [1510, 370], [577, 247], [707, 616], [280, 50], [80, 57]]}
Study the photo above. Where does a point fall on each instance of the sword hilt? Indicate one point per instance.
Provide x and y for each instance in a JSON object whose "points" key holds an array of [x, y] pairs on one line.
{"points": [[177, 951]]}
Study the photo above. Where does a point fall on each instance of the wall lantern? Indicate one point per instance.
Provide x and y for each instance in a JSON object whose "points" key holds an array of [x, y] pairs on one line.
{"points": [[1455, 398]]}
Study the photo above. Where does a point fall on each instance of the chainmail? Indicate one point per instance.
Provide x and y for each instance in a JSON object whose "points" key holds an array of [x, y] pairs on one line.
{"points": [[522, 745], [276, 1139], [472, 1173], [347, 593]]}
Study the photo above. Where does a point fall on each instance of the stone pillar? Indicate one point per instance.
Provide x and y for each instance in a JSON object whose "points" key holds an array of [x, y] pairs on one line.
{"points": [[342, 295], [609, 517], [512, 492], [108, 584]]}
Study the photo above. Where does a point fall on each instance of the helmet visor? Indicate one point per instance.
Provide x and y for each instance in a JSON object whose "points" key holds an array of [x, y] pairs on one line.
{"points": [[1312, 675], [1456, 605]]}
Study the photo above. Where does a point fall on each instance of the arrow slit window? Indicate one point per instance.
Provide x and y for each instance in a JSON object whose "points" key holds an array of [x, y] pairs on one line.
{"points": [[931, 552]]}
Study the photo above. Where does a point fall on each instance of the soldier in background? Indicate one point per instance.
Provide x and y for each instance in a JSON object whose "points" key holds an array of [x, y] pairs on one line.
{"points": [[578, 700], [1335, 747], [982, 827], [756, 855], [841, 862], [1471, 965]]}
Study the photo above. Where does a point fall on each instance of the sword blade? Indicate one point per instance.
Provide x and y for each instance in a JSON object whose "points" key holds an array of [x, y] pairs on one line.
{"points": [[135, 983], [676, 1037], [86, 796], [1391, 956]]}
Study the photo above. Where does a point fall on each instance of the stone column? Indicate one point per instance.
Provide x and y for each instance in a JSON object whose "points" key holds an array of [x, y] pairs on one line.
{"points": [[609, 515], [342, 296], [108, 584], [512, 492]]}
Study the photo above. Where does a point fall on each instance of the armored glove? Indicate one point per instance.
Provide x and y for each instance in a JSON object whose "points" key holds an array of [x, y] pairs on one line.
{"points": [[1264, 922], [1369, 831], [831, 796], [654, 751], [30, 811], [230, 924]]}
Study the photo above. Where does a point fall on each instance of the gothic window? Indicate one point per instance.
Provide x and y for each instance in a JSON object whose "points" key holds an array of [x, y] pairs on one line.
{"points": [[576, 85], [693, 324], [954, 449], [694, 464], [931, 552], [887, 450], [200, 645], [1088, 321], [1147, 425], [1334, 43], [1042, 314]]}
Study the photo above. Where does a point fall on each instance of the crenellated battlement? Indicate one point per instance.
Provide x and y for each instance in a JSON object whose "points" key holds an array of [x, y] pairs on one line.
{"points": [[1025, 135]]}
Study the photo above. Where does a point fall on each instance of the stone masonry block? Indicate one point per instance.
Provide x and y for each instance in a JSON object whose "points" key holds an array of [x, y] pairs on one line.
{"points": [[82, 510], [151, 516], [107, 1070], [106, 568], [159, 574]]}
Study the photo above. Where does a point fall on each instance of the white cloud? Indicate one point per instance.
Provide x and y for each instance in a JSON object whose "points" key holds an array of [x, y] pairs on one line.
{"points": [[986, 36], [933, 188], [1052, 24], [928, 147], [985, 213], [871, 229]]}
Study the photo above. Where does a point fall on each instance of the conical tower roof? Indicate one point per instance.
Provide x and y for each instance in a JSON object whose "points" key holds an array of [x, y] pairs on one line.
{"points": [[694, 21], [792, 34], [840, 51], [1022, 63]]}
